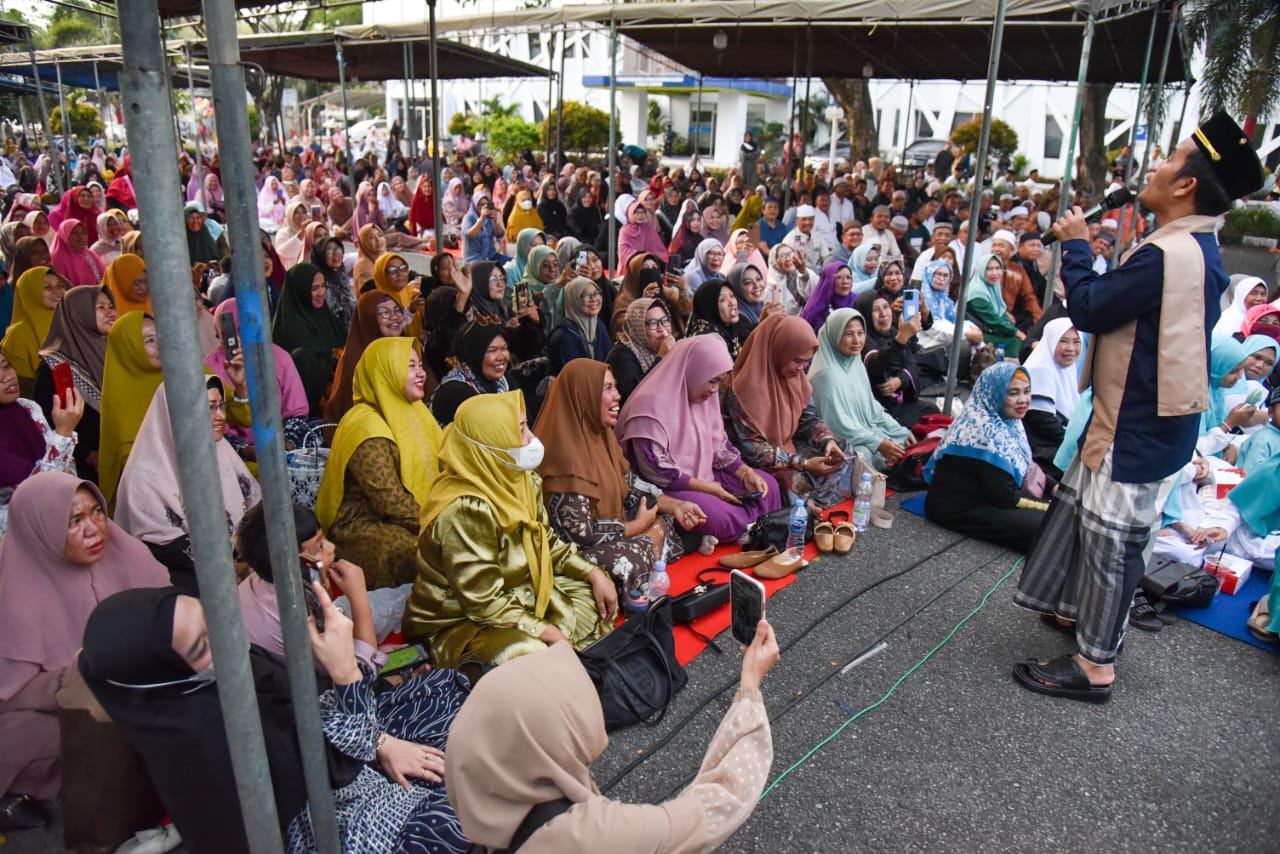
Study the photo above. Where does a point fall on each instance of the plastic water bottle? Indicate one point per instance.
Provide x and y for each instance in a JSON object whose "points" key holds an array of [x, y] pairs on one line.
{"points": [[999, 353], [659, 581], [862, 504], [796, 530]]}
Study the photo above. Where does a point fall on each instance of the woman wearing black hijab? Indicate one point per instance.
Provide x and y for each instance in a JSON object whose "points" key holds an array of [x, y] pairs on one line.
{"points": [[715, 312], [146, 659], [479, 365], [552, 212]]}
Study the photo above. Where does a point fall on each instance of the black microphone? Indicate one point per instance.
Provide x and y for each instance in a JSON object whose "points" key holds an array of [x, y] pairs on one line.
{"points": [[1117, 198]]}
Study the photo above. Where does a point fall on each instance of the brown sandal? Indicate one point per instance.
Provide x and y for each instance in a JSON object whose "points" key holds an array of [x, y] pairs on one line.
{"points": [[746, 560], [823, 536], [845, 535]]}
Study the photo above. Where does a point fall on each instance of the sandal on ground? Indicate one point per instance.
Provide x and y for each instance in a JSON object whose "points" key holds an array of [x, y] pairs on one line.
{"points": [[1061, 677], [823, 536], [746, 560], [1259, 621], [1142, 615], [845, 535], [23, 812]]}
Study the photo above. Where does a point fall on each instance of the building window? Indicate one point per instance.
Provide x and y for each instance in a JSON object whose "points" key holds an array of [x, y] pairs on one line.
{"points": [[962, 118], [535, 45], [1052, 138]]}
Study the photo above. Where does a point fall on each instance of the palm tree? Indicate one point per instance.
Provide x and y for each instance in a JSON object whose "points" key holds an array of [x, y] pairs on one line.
{"points": [[1241, 40]]}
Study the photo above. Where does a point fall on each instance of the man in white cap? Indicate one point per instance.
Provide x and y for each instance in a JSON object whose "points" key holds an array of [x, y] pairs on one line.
{"points": [[1018, 216], [805, 241], [1019, 293], [824, 225], [877, 231], [841, 203]]}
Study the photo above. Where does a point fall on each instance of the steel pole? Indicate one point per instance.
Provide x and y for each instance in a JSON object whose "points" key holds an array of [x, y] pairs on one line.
{"points": [[1064, 198], [437, 171], [232, 117], [65, 175], [195, 130], [697, 128], [787, 146], [346, 131], [44, 111], [980, 175], [1137, 118], [560, 107], [551, 92], [808, 90], [404, 58], [97, 88], [613, 142], [144, 91], [413, 94], [1158, 92]]}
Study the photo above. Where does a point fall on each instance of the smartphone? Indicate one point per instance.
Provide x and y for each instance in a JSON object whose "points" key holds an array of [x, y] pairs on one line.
{"points": [[311, 572], [752, 496], [230, 335], [62, 382], [522, 296], [405, 659], [675, 263], [910, 304], [746, 604], [582, 260], [650, 501]]}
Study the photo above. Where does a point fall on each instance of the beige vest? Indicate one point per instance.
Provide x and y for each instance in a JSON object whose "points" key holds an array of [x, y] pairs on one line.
{"points": [[1182, 373]]}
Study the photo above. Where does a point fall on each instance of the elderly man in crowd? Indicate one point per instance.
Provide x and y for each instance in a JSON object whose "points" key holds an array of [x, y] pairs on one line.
{"points": [[806, 241], [877, 231]]}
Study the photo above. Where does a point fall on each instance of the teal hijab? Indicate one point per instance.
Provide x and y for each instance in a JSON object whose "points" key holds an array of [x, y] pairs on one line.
{"points": [[1252, 345], [1258, 500], [514, 268], [842, 390], [1225, 353], [980, 290], [862, 280]]}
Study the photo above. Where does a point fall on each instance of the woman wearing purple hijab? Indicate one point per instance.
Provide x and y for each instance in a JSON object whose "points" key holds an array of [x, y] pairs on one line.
{"points": [[834, 290], [677, 440]]}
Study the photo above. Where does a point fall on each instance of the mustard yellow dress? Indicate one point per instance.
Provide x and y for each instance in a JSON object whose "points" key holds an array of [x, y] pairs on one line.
{"points": [[491, 572]]}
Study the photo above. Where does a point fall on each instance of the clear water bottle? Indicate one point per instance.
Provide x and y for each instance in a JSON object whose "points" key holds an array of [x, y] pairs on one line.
{"points": [[862, 503], [999, 353], [659, 581], [796, 530]]}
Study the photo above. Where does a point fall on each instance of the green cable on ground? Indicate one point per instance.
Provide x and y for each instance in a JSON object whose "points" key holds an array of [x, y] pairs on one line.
{"points": [[894, 687]]}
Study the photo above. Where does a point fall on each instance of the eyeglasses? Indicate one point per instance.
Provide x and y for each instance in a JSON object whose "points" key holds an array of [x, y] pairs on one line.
{"points": [[395, 269], [219, 406], [592, 295], [388, 312], [658, 323]]}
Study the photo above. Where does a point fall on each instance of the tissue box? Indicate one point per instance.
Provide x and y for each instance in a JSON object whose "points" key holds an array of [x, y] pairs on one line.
{"points": [[1227, 479], [1231, 571]]}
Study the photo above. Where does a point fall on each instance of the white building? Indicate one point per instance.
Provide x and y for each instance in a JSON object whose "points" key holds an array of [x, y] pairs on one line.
{"points": [[717, 116]]}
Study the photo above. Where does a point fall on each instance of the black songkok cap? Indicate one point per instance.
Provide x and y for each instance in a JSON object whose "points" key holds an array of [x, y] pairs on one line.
{"points": [[1230, 155]]}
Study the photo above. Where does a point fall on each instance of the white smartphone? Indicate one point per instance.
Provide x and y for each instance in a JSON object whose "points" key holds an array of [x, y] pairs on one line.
{"points": [[746, 605]]}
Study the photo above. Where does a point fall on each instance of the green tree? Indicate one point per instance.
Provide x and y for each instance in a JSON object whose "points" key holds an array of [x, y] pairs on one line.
{"points": [[653, 125], [83, 118], [1003, 141], [586, 128], [1241, 41], [510, 135]]}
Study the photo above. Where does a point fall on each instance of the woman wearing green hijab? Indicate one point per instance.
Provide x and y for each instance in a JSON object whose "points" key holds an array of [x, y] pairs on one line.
{"points": [[986, 307], [525, 241], [308, 329]]}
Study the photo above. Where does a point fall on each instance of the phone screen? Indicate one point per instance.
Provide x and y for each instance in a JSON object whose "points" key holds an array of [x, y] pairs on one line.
{"points": [[310, 573], [746, 603], [403, 659]]}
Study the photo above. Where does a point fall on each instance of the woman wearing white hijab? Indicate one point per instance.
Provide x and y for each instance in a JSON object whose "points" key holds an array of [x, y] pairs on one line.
{"points": [[1053, 367], [1249, 291]]}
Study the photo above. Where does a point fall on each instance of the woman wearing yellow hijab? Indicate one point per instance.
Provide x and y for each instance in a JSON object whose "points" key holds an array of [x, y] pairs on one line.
{"points": [[38, 293], [391, 277], [494, 582], [382, 465], [129, 381], [127, 281]]}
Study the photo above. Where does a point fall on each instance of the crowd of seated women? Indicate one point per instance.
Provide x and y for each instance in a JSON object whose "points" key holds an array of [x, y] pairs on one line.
{"points": [[513, 442]]}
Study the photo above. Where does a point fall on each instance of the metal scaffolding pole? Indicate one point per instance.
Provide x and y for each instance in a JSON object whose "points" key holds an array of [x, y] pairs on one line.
{"points": [[411, 128], [980, 175], [436, 166], [346, 130], [195, 130], [44, 110], [1153, 132], [144, 90], [551, 93], [808, 89], [613, 142], [1137, 119], [404, 124], [560, 107], [1064, 198], [63, 168], [787, 153], [232, 117], [697, 127]]}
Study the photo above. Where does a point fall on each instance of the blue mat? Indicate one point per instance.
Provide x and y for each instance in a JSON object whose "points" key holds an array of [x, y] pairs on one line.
{"points": [[1227, 615]]}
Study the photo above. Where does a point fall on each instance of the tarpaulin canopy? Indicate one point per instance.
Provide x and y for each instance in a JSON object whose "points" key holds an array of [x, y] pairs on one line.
{"points": [[900, 39]]}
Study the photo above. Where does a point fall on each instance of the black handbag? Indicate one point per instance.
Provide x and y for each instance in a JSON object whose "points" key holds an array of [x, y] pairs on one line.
{"points": [[1179, 584], [772, 528], [701, 599], [635, 669]]}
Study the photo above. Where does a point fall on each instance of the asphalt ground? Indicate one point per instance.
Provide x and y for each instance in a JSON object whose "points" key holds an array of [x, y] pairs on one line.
{"points": [[960, 758]]}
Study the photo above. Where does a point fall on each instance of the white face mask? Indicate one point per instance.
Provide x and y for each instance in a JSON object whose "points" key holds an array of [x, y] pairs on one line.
{"points": [[526, 204], [524, 457]]}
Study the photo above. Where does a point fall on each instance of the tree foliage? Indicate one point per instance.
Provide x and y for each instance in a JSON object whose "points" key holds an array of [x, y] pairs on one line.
{"points": [[586, 128], [510, 135], [1002, 143], [82, 118], [1241, 41]]}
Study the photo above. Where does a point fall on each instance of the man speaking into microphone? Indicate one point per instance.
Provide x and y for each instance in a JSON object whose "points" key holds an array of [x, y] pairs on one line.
{"points": [[1147, 365]]}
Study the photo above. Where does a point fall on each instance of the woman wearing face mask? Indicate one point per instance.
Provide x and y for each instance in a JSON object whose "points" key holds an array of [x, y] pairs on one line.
{"points": [[983, 482], [715, 312], [147, 660], [1055, 382], [580, 335], [524, 214], [149, 500], [494, 581], [592, 497], [78, 338], [382, 465], [986, 307], [39, 292], [674, 435], [62, 554], [646, 338], [770, 417]]}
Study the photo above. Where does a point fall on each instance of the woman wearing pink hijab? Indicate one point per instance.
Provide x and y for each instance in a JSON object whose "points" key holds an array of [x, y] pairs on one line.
{"points": [[639, 234], [77, 203], [71, 256], [61, 557]]}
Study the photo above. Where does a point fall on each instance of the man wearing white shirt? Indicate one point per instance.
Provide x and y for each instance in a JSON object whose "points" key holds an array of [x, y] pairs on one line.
{"points": [[877, 231], [823, 225], [841, 205], [804, 240]]}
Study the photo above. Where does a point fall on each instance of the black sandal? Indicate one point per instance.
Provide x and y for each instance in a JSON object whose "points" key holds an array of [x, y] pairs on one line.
{"points": [[23, 812], [1052, 621], [1061, 677]]}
